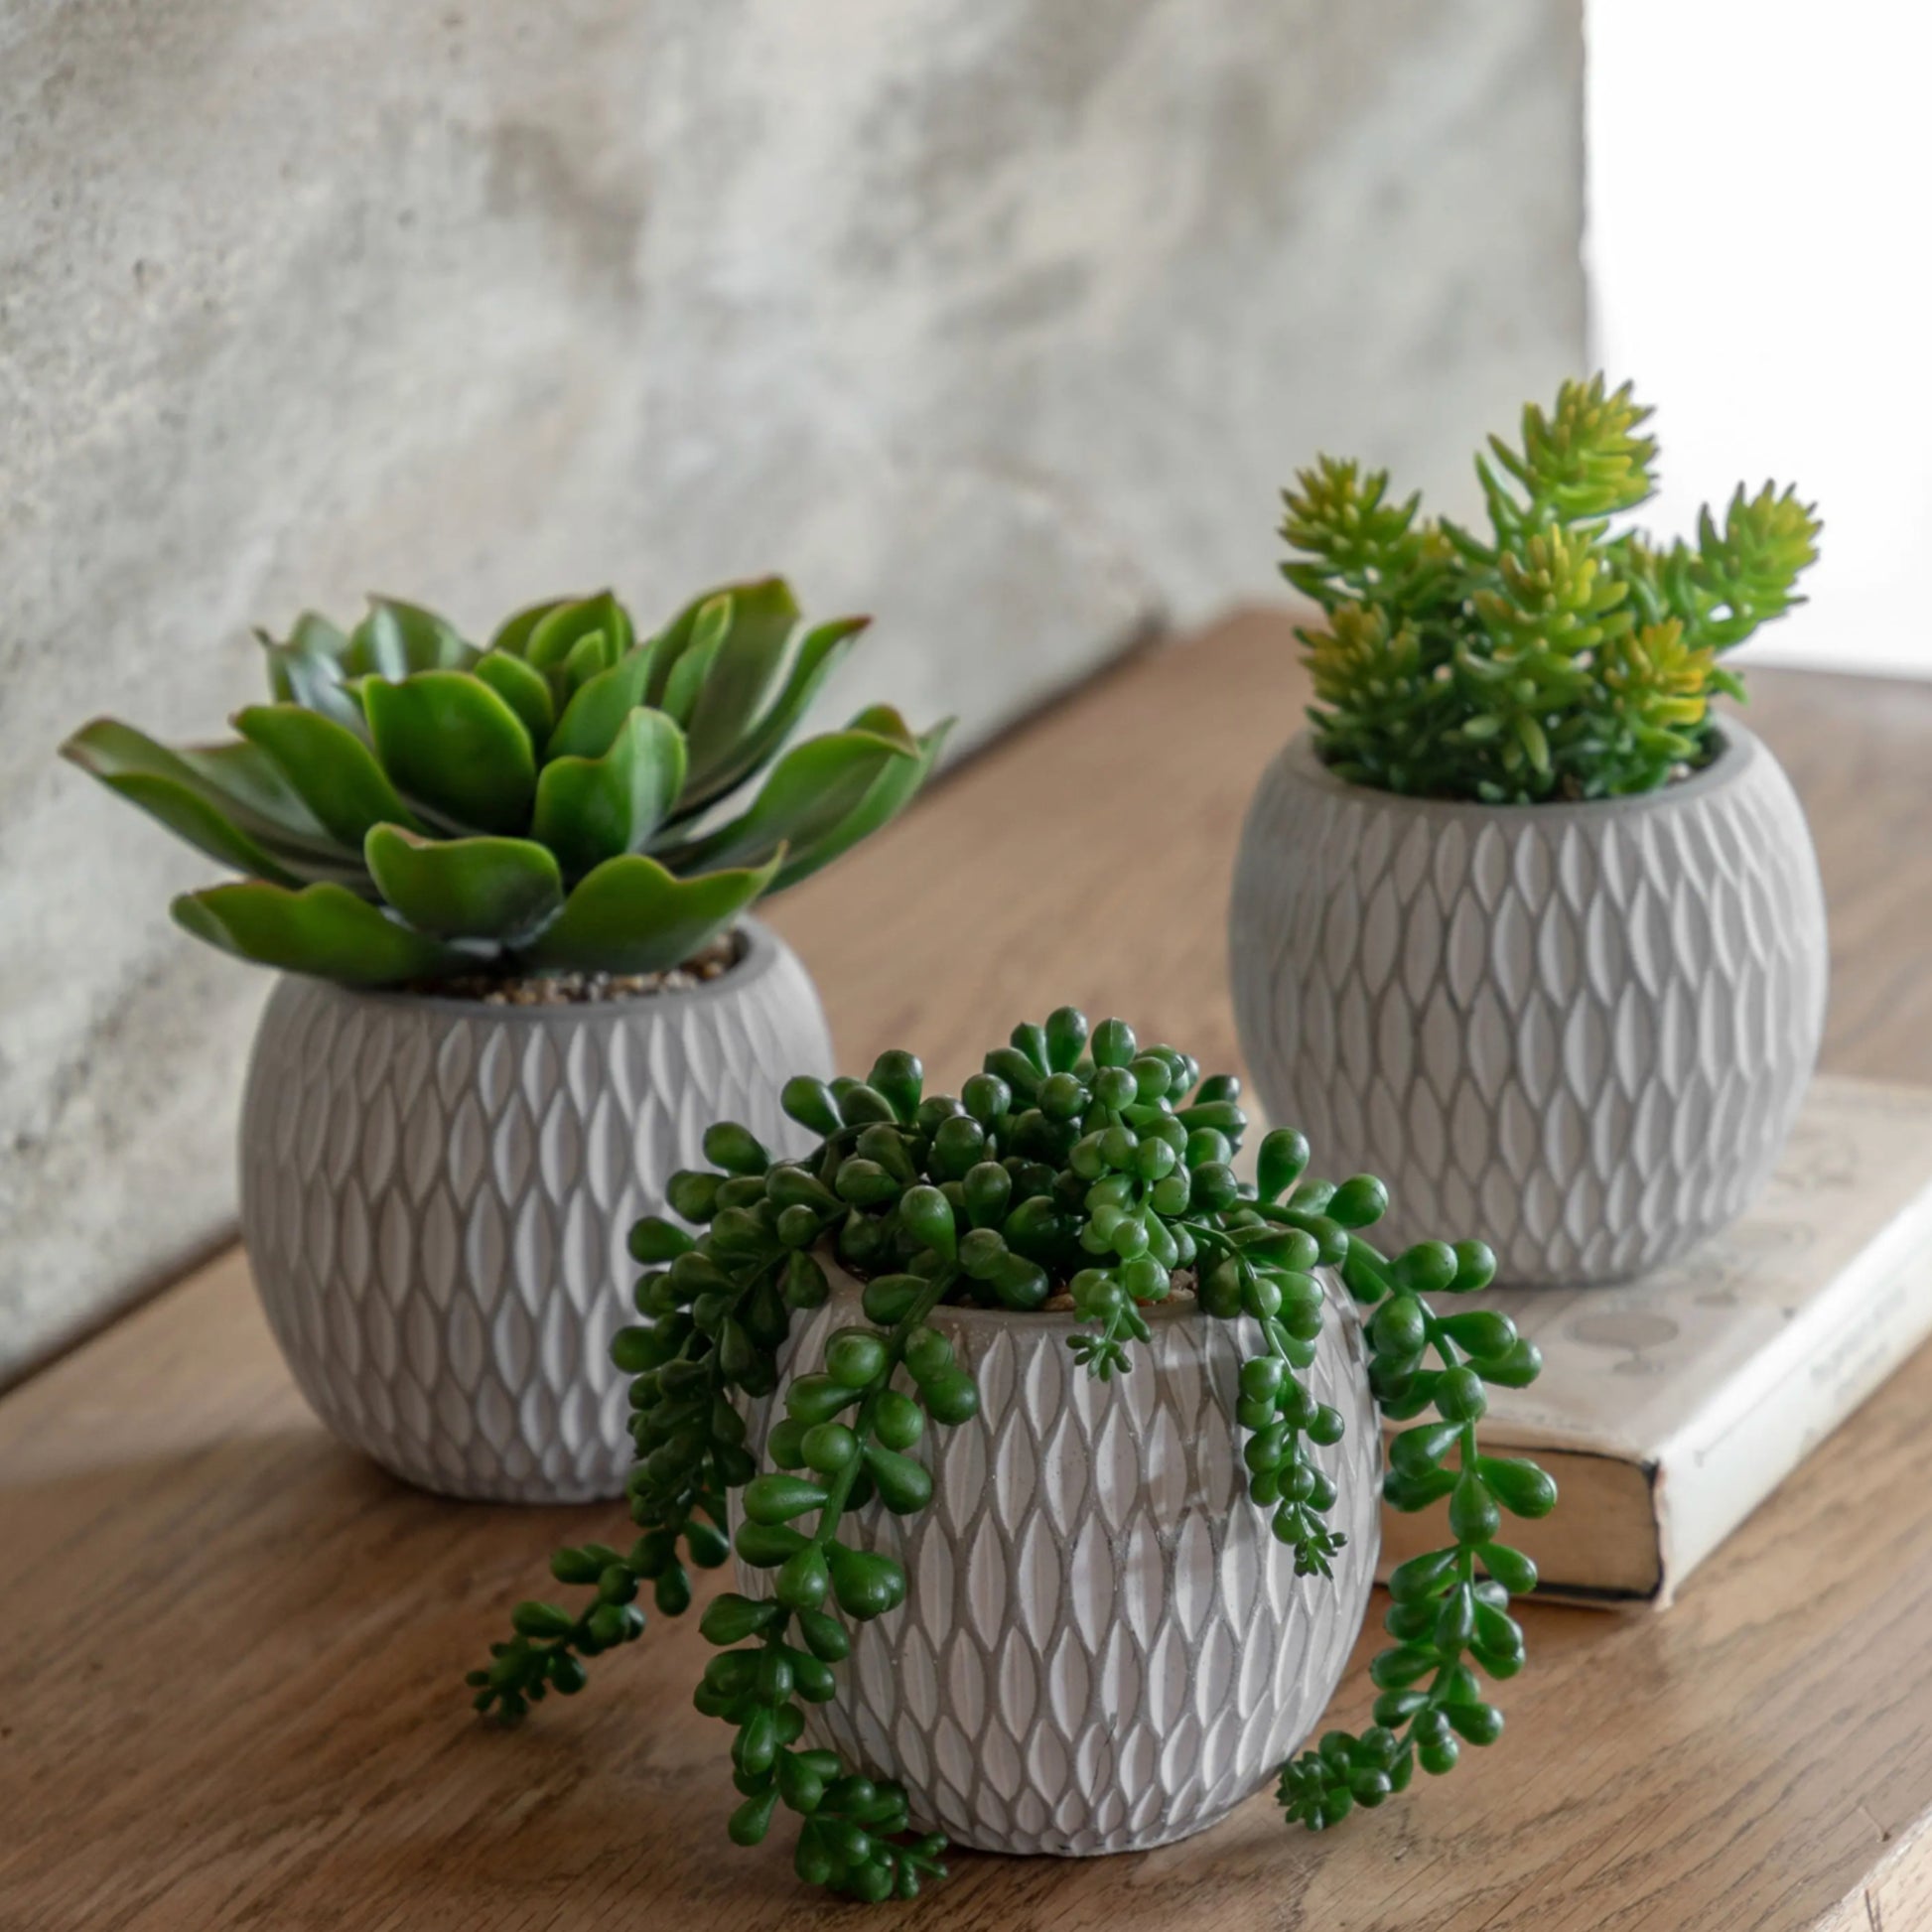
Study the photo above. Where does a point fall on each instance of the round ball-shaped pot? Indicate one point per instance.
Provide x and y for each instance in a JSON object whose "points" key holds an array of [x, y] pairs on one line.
{"points": [[1103, 1646], [1580, 1031], [436, 1196]]}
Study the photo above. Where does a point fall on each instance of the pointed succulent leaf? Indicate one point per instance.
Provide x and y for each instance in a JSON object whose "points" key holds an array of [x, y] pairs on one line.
{"points": [[308, 670], [589, 809], [396, 639], [217, 799], [559, 632], [449, 741], [632, 916], [465, 888], [674, 640], [811, 791], [889, 794], [330, 768], [512, 636], [687, 679], [757, 746], [527, 692], [323, 929], [595, 713], [250, 785], [763, 619]]}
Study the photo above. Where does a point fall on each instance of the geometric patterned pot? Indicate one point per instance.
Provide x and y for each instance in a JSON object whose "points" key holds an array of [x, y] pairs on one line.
{"points": [[1580, 1031], [1102, 1647], [436, 1196]]}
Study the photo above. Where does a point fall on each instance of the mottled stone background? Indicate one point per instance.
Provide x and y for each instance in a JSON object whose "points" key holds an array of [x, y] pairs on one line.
{"points": [[1001, 319]]}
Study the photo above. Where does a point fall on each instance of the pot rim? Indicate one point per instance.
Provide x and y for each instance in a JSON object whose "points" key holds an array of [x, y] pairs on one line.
{"points": [[1739, 749], [763, 950]]}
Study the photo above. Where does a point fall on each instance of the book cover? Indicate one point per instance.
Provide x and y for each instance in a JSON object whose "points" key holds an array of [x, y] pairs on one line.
{"points": [[1670, 1406]]}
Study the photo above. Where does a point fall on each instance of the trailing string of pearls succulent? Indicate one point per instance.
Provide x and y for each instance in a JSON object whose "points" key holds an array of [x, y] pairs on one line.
{"points": [[1074, 1163]]}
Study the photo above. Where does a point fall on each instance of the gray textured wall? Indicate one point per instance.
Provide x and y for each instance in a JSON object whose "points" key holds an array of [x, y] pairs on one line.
{"points": [[1001, 319]]}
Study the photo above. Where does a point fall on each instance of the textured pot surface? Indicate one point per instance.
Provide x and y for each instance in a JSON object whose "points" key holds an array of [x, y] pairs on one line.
{"points": [[1580, 1031], [436, 1196], [1103, 1647]]}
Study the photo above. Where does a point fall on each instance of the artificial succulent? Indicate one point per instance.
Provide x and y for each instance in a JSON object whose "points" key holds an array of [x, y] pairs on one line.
{"points": [[1076, 1161], [1553, 659], [412, 806]]}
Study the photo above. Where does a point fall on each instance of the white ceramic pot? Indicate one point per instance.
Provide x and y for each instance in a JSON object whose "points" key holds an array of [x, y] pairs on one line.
{"points": [[1580, 1031], [436, 1197], [1103, 1646]]}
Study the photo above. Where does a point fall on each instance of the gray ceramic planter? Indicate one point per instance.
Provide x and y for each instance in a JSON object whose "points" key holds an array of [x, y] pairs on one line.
{"points": [[436, 1197], [1103, 1646], [1581, 1031]]}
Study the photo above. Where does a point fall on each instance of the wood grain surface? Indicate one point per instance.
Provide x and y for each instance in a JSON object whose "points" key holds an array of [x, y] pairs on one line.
{"points": [[234, 1650]]}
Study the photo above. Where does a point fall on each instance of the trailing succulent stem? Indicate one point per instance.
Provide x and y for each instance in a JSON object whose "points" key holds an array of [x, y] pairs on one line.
{"points": [[412, 806], [1551, 659], [1078, 1164]]}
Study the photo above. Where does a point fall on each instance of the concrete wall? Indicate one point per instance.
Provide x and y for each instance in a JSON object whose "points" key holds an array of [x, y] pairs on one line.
{"points": [[1001, 319]]}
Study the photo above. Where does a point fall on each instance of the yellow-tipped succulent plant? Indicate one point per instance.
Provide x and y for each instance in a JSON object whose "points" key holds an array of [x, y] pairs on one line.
{"points": [[411, 805], [1555, 658]]}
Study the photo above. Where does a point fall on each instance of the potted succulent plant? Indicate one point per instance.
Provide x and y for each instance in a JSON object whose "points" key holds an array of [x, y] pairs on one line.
{"points": [[1048, 1451], [508, 887], [1519, 912]]}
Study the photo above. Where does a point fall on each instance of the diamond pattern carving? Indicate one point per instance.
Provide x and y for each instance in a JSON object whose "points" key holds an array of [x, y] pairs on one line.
{"points": [[1581, 1031], [436, 1197], [1103, 1647]]}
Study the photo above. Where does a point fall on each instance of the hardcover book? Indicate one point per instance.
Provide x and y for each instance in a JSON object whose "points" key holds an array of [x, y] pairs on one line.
{"points": [[1669, 1408]]}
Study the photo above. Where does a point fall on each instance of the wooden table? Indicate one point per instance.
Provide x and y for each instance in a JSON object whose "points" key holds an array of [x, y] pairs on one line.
{"points": [[234, 1650]]}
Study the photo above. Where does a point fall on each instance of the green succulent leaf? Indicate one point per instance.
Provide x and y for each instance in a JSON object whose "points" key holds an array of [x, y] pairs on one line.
{"points": [[498, 889], [589, 809], [685, 679], [308, 670], [887, 795], [323, 929], [632, 915], [597, 711], [1548, 659], [755, 748], [811, 794], [451, 743], [527, 692], [397, 640], [675, 638], [512, 636], [507, 780], [328, 767], [749, 656], [226, 801], [562, 636]]}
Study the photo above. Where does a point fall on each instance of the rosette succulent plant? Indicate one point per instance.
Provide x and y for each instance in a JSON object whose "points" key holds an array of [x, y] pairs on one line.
{"points": [[1077, 1162], [411, 805], [1552, 659]]}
